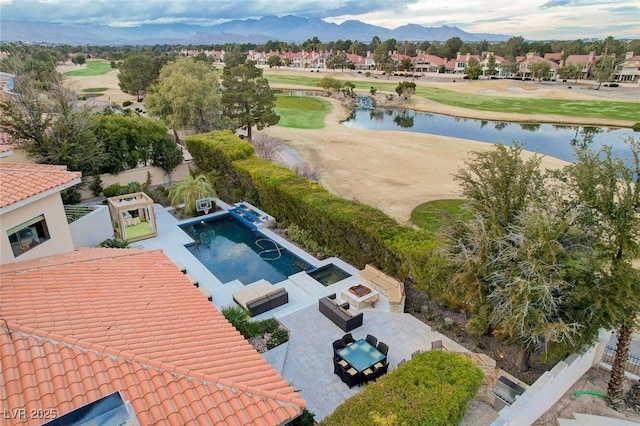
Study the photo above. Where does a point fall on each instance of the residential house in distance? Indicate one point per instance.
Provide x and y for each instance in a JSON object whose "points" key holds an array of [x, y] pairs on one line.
{"points": [[586, 63], [457, 65], [85, 325], [524, 63], [424, 62], [629, 69], [501, 65]]}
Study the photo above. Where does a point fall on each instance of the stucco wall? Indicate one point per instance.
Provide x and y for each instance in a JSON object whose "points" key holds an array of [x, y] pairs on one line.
{"points": [[60, 236], [548, 389], [92, 229]]}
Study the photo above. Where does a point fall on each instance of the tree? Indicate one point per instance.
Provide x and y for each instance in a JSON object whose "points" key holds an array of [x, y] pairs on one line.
{"points": [[50, 124], [337, 60], [406, 64], [522, 264], [603, 69], [133, 140], [498, 185], [274, 61], [491, 66], [406, 89], [189, 190], [137, 73], [540, 70], [248, 98], [188, 97], [473, 69], [607, 186], [570, 70], [79, 59], [330, 84], [452, 47]]}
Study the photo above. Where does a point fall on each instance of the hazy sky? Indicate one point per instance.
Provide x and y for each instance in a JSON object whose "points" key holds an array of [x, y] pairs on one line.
{"points": [[532, 19]]}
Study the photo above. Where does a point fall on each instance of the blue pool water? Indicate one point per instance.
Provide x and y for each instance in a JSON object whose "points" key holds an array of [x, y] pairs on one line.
{"points": [[231, 250]]}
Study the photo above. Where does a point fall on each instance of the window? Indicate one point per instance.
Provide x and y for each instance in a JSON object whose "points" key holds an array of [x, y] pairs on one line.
{"points": [[28, 235]]}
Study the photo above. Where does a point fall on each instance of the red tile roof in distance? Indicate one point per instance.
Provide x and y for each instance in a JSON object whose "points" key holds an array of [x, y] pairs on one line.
{"points": [[84, 324], [21, 181]]}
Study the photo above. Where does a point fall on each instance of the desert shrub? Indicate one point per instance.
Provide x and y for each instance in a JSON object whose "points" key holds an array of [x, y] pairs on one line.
{"points": [[126, 103], [636, 127], [269, 325], [433, 388], [159, 195]]}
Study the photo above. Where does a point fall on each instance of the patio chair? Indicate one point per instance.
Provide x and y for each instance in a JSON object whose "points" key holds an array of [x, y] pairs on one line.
{"points": [[351, 377], [372, 340], [383, 347], [337, 345], [380, 368], [413, 355], [368, 375], [437, 345], [348, 339]]}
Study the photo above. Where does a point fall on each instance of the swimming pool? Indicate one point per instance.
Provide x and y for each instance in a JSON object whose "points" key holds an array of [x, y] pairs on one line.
{"points": [[232, 250]]}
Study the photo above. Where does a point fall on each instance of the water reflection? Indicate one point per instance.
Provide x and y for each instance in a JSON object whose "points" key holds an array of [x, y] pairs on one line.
{"points": [[555, 140]]}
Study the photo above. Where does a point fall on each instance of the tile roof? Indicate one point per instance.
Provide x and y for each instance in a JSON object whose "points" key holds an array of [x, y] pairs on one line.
{"points": [[84, 324], [21, 181]]}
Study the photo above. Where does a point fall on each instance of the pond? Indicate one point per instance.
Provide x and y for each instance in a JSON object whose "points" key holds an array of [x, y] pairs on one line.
{"points": [[549, 139]]}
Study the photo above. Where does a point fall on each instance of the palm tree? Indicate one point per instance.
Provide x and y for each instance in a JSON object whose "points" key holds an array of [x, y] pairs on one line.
{"points": [[189, 190]]}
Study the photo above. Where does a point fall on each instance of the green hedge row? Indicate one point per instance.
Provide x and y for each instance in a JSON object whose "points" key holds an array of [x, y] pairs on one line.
{"points": [[434, 388], [357, 233]]}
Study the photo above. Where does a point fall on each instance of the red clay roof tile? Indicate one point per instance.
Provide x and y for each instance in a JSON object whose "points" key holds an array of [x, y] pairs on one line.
{"points": [[20, 181], [85, 324]]}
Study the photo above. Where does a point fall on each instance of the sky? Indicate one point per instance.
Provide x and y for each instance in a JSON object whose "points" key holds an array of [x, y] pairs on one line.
{"points": [[531, 19]]}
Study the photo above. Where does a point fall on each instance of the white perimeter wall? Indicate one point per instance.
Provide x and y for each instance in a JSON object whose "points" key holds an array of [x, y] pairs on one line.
{"points": [[92, 229], [550, 387]]}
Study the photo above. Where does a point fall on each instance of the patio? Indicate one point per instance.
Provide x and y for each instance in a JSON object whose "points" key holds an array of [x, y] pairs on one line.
{"points": [[305, 361]]}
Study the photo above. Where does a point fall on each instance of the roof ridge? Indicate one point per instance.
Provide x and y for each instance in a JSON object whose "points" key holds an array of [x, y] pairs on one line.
{"points": [[144, 361]]}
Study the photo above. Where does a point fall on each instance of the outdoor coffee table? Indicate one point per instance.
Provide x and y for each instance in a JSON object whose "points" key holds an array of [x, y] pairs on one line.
{"points": [[360, 296], [361, 355]]}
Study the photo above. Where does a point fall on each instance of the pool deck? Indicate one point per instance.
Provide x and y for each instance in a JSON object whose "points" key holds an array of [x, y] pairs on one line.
{"points": [[305, 361]]}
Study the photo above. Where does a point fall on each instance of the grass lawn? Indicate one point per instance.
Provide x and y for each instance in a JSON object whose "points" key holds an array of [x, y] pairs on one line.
{"points": [[301, 112], [95, 89], [613, 110], [97, 67], [430, 215]]}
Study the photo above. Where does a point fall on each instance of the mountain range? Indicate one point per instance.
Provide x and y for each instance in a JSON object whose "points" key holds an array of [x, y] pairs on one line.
{"points": [[286, 28]]}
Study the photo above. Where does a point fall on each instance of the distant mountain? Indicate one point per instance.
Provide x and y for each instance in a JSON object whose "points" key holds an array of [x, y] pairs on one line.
{"points": [[286, 28]]}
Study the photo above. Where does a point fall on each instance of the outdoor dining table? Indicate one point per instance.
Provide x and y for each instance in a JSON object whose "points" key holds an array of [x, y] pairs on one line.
{"points": [[361, 355]]}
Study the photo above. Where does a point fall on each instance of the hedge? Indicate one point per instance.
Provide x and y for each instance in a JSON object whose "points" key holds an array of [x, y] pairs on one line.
{"points": [[357, 233], [433, 388]]}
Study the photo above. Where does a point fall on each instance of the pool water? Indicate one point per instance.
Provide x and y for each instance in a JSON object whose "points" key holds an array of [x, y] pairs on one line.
{"points": [[328, 274], [232, 251]]}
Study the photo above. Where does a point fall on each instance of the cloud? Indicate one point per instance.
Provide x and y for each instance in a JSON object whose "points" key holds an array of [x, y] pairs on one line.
{"points": [[555, 3]]}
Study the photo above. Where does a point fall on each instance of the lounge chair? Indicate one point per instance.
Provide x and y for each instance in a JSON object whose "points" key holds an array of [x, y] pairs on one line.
{"points": [[413, 355]]}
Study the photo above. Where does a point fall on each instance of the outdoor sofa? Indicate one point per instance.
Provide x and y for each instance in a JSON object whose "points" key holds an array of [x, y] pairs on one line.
{"points": [[339, 314], [387, 285], [260, 297]]}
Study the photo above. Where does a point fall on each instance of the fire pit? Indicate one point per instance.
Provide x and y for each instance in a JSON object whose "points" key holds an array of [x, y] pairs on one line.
{"points": [[360, 296], [359, 290]]}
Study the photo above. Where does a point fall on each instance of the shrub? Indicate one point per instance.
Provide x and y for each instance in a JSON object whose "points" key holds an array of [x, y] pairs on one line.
{"points": [[269, 325], [239, 318], [113, 190], [636, 127], [114, 243], [613, 84], [126, 103], [96, 185], [433, 388], [71, 196], [304, 419], [278, 337]]}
